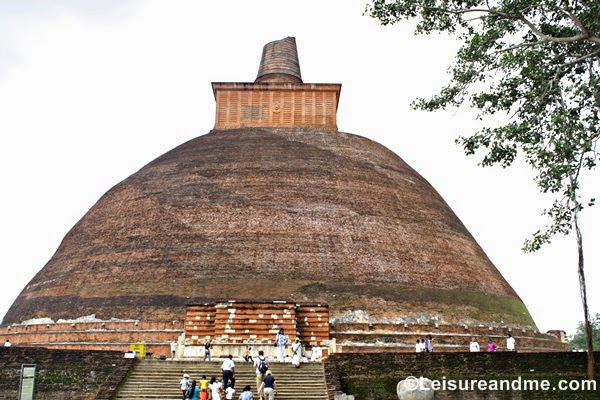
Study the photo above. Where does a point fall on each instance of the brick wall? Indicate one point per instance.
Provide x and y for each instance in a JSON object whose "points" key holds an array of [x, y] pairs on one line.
{"points": [[63, 374], [374, 338], [256, 322], [375, 376], [245, 322], [276, 105], [109, 336]]}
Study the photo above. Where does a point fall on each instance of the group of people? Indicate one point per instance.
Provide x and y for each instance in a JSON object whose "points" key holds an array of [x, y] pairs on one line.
{"points": [[491, 345], [205, 389], [425, 346], [265, 381], [281, 341], [225, 389]]}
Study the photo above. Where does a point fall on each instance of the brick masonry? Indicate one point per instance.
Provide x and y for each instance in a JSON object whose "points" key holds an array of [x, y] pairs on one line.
{"points": [[380, 338], [335, 217], [279, 62], [256, 322], [63, 374], [247, 322], [110, 336], [276, 105], [285, 206], [375, 376]]}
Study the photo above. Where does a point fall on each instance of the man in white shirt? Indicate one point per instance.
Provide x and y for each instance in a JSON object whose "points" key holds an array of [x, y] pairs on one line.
{"points": [[228, 369], [473, 346], [184, 384], [7, 343], [510, 343], [418, 346]]}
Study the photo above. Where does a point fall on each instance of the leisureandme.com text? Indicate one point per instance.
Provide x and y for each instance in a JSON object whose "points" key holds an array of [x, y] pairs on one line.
{"points": [[518, 384]]}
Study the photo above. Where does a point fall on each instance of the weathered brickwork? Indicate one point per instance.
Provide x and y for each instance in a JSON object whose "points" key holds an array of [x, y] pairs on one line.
{"points": [[279, 62], [276, 105], [63, 374], [375, 376], [256, 322], [337, 218], [274, 203], [381, 338], [277, 98], [116, 336]]}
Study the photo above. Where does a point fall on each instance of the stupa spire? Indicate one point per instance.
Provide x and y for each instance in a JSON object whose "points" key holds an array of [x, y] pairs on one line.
{"points": [[278, 97], [279, 62]]}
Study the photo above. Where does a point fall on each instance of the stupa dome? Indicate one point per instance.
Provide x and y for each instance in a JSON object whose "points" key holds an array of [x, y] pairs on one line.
{"points": [[274, 203], [271, 213]]}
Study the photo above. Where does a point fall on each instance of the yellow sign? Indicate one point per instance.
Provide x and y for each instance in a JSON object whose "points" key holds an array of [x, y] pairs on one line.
{"points": [[139, 348]]}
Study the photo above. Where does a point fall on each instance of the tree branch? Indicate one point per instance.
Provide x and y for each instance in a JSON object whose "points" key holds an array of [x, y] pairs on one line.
{"points": [[576, 21], [584, 35], [518, 46], [580, 59]]}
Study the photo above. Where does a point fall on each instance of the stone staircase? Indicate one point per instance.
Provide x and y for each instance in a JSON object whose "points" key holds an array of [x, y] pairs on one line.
{"points": [[153, 379]]}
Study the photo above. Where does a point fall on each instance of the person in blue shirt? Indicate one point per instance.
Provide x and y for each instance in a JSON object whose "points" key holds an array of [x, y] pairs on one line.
{"points": [[247, 393], [268, 388], [193, 391]]}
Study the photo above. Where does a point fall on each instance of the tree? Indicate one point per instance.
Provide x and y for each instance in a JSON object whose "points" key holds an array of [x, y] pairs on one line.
{"points": [[578, 340], [536, 62]]}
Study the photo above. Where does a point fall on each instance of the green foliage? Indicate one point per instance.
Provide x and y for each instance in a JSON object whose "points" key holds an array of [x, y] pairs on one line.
{"points": [[578, 341], [536, 62]]}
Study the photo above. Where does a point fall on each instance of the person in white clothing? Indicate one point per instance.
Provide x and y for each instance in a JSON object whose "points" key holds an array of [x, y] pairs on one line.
{"points": [[228, 368], [418, 346], [510, 343], [296, 353], [229, 392], [473, 346], [7, 343], [214, 387], [281, 340], [184, 384], [316, 353], [173, 349]]}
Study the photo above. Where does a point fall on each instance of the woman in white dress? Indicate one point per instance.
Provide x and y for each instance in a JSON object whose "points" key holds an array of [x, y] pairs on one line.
{"points": [[296, 353], [214, 387]]}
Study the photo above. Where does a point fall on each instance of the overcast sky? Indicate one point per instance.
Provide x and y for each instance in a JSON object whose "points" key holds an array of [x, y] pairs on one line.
{"points": [[91, 91]]}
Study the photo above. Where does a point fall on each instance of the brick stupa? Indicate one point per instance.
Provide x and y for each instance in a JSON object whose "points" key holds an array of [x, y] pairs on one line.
{"points": [[274, 204]]}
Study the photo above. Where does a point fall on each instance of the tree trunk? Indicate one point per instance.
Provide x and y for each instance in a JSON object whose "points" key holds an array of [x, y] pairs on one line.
{"points": [[583, 291]]}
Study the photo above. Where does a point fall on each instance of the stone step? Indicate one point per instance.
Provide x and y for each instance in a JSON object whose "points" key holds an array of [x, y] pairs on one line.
{"points": [[280, 395], [282, 380], [152, 379], [152, 393], [158, 394], [239, 383], [147, 394]]}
